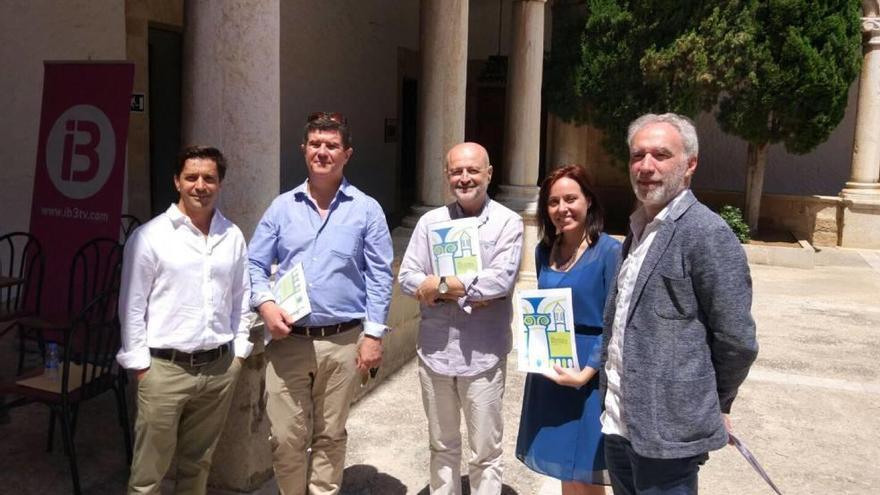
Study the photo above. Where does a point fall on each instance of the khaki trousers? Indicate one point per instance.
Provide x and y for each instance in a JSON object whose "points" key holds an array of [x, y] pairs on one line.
{"points": [[310, 383], [480, 399], [182, 410]]}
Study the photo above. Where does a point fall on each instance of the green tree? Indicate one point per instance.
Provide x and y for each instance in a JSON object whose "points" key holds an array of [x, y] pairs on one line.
{"points": [[780, 69], [594, 73]]}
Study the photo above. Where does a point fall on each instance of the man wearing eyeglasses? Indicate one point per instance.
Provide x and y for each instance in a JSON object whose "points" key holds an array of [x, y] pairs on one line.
{"points": [[464, 334], [340, 236]]}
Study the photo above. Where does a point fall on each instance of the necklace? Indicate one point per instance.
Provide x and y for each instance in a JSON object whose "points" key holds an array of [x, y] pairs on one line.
{"points": [[565, 265]]}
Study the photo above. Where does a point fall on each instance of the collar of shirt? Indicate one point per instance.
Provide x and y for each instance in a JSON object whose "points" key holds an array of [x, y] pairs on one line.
{"points": [[301, 193], [483, 215], [638, 221], [218, 229]]}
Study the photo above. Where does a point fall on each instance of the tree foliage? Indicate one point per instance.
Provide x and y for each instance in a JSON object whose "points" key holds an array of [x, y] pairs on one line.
{"points": [[781, 68], [601, 80], [773, 70]]}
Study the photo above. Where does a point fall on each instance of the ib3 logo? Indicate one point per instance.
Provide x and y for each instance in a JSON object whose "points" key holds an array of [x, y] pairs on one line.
{"points": [[80, 151]]}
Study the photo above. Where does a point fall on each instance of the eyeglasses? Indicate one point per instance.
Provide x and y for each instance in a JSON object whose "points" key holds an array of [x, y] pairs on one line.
{"points": [[332, 116]]}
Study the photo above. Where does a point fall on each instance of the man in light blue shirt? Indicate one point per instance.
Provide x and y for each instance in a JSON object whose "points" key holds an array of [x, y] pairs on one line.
{"points": [[340, 236]]}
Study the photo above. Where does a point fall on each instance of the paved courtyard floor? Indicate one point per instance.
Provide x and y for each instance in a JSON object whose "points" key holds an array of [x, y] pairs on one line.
{"points": [[809, 409]]}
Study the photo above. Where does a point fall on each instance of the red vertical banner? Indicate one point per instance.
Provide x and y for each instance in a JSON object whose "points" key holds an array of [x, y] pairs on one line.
{"points": [[78, 183]]}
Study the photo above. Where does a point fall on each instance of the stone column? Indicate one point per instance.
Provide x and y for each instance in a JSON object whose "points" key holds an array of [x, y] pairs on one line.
{"points": [[866, 144], [859, 211], [522, 130], [231, 100], [443, 35]]}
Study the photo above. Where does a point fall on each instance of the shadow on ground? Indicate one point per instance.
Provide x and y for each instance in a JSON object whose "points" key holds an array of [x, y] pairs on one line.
{"points": [[466, 488], [362, 479]]}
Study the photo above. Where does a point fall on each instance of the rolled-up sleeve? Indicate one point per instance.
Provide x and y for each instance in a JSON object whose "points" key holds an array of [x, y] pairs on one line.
{"points": [[241, 294], [498, 275], [378, 255], [138, 272]]}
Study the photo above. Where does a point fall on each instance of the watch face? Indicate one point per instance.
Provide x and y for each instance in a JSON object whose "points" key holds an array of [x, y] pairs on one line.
{"points": [[443, 287]]}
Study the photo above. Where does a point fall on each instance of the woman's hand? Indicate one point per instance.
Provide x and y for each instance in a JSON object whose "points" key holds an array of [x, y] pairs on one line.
{"points": [[568, 377]]}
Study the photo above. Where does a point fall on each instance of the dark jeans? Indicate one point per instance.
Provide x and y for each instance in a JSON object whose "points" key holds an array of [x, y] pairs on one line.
{"points": [[632, 474]]}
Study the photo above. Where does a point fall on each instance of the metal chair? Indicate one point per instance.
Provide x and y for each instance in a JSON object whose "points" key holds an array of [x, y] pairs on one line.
{"points": [[88, 369], [96, 268], [21, 276], [127, 225]]}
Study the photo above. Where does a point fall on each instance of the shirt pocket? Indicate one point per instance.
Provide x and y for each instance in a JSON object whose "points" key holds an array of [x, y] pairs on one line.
{"points": [[345, 242], [675, 298]]}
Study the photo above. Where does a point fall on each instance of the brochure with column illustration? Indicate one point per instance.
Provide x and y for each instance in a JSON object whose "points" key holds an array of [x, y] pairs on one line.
{"points": [[455, 247], [291, 294], [544, 321]]}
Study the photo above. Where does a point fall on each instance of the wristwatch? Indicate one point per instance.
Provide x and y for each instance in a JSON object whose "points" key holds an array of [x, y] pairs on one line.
{"points": [[442, 287]]}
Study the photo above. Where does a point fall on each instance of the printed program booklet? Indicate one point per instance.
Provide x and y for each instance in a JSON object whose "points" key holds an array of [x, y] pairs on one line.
{"points": [[544, 321], [455, 247], [291, 294]]}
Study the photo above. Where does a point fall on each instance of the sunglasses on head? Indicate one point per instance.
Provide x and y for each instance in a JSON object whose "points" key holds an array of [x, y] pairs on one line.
{"points": [[332, 116]]}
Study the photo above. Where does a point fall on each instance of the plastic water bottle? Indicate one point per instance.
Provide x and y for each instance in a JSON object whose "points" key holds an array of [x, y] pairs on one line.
{"points": [[52, 365]]}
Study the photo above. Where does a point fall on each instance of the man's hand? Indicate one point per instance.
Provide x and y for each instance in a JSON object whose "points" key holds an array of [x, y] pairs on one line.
{"points": [[276, 319], [568, 377], [140, 374], [427, 292], [728, 425], [369, 354]]}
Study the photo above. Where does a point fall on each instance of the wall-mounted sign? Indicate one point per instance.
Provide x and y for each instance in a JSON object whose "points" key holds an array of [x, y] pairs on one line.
{"points": [[137, 102]]}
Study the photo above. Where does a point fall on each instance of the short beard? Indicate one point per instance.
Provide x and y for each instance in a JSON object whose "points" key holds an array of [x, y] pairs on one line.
{"points": [[661, 196]]}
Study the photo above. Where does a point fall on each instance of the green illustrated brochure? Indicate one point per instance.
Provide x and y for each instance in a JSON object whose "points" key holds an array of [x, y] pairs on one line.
{"points": [[544, 324], [291, 292], [455, 247]]}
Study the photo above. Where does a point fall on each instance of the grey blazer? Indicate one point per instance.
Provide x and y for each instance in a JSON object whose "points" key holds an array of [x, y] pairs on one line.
{"points": [[690, 336]]}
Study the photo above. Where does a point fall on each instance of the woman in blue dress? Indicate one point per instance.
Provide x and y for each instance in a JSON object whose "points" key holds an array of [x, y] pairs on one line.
{"points": [[559, 432]]}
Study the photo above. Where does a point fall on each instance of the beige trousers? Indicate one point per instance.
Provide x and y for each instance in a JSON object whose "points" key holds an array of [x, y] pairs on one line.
{"points": [[180, 410], [480, 399], [310, 383]]}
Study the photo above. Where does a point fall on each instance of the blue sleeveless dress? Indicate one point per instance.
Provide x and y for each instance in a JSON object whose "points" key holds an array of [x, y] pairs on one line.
{"points": [[559, 431]]}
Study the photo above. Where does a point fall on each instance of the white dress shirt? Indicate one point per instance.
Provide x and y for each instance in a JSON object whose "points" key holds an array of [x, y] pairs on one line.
{"points": [[643, 233], [183, 290]]}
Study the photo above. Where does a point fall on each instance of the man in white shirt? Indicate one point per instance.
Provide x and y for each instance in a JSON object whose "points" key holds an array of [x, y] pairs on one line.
{"points": [[679, 335], [183, 307]]}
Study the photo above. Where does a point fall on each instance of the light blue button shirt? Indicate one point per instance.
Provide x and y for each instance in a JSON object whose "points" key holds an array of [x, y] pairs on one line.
{"points": [[346, 257]]}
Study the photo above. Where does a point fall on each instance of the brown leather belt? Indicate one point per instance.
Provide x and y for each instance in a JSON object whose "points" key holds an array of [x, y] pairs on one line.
{"points": [[326, 330], [194, 359]]}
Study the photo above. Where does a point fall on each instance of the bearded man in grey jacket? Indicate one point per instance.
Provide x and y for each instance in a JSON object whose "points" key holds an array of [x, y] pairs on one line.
{"points": [[679, 336]]}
